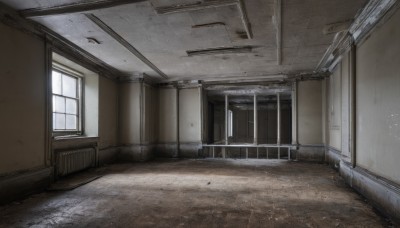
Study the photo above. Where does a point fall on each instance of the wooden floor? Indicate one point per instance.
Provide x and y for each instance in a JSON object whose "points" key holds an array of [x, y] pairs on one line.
{"points": [[201, 193]]}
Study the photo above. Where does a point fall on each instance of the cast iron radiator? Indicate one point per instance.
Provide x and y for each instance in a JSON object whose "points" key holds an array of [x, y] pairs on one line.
{"points": [[75, 160]]}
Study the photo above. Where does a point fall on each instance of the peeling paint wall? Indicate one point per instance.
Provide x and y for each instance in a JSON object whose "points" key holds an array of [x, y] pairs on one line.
{"points": [[22, 101], [309, 120], [378, 101]]}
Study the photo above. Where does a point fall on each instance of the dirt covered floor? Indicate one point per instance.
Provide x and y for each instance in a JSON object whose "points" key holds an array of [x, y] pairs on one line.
{"points": [[201, 193]]}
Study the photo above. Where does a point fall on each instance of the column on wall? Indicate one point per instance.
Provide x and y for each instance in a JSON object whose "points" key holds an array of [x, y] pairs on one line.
{"points": [[294, 113]]}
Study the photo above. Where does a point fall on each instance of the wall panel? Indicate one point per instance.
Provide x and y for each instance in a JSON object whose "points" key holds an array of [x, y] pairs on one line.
{"points": [[22, 101], [378, 101]]}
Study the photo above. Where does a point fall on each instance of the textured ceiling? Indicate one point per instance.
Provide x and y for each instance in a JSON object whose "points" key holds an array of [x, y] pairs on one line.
{"points": [[164, 39]]}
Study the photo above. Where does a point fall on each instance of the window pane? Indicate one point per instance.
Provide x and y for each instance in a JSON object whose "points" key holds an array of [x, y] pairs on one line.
{"points": [[56, 78], [60, 121], [71, 122], [72, 106], [69, 86], [54, 121], [59, 104]]}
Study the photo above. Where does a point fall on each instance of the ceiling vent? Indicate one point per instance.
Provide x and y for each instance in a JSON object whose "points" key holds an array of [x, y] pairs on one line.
{"points": [[221, 50], [92, 40]]}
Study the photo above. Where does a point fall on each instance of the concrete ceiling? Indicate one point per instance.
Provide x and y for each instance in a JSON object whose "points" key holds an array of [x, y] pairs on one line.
{"points": [[164, 39]]}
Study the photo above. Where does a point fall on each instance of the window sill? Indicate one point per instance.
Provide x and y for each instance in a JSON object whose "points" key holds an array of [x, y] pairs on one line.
{"points": [[72, 137], [78, 141]]}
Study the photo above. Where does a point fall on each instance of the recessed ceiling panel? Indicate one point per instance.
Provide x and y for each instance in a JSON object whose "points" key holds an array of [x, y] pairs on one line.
{"points": [[165, 38], [77, 28]]}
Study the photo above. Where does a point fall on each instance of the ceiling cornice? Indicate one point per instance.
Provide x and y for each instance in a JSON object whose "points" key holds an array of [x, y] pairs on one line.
{"points": [[374, 13], [77, 7]]}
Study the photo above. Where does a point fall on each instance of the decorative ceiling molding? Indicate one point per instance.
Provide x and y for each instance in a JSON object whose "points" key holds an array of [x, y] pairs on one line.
{"points": [[376, 11], [139, 77], [182, 8], [372, 13], [240, 90], [70, 50], [77, 7], [337, 27], [259, 77], [124, 43], [341, 43]]}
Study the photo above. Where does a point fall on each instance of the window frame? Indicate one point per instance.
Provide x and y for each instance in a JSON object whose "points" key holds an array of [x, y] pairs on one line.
{"points": [[63, 70]]}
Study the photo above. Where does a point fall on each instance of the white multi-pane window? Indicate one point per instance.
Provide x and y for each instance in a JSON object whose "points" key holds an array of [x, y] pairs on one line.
{"points": [[66, 102]]}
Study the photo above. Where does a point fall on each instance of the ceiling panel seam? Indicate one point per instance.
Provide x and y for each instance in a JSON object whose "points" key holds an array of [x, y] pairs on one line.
{"points": [[12, 18], [124, 43]]}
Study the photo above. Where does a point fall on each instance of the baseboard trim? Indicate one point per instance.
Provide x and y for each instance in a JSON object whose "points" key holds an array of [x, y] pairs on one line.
{"points": [[311, 153], [191, 150], [383, 194], [21, 185], [333, 158], [108, 155], [167, 150], [136, 153]]}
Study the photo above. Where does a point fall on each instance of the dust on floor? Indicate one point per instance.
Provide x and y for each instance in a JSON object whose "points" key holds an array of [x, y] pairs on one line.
{"points": [[201, 193]]}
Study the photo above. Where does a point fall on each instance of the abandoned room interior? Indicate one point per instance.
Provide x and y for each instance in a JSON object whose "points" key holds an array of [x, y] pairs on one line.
{"points": [[199, 113]]}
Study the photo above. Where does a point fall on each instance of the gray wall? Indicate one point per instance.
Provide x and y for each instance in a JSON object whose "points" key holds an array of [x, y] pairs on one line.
{"points": [[108, 120], [180, 113], [190, 115], [150, 115], [373, 169], [243, 125], [108, 112], [219, 123], [27, 149], [309, 112], [378, 101], [335, 109], [129, 113], [168, 115], [138, 118], [337, 104], [22, 101]]}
